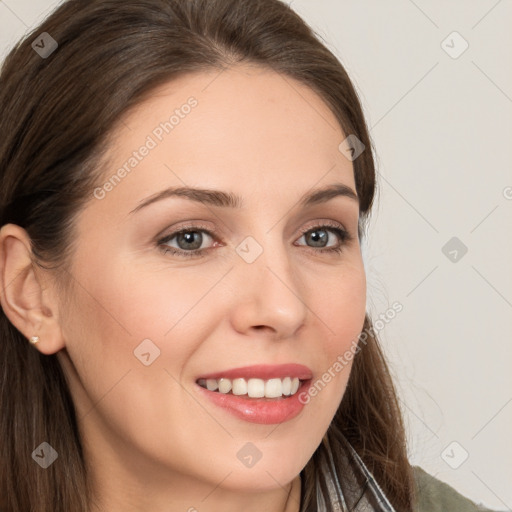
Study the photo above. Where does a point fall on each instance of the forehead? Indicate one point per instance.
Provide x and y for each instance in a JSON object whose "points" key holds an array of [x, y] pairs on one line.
{"points": [[245, 128]]}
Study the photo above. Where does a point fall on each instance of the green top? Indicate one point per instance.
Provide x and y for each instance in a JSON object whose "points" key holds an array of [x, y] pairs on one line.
{"points": [[437, 496]]}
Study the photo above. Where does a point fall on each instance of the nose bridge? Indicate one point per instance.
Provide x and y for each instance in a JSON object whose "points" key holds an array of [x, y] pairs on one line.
{"points": [[270, 290]]}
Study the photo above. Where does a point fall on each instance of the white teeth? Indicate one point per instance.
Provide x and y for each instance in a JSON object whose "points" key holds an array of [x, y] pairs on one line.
{"points": [[211, 384], [239, 387], [224, 385], [287, 386], [273, 388], [254, 388]]}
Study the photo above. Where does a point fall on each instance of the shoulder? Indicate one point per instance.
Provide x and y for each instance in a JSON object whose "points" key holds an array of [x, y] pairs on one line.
{"points": [[437, 496]]}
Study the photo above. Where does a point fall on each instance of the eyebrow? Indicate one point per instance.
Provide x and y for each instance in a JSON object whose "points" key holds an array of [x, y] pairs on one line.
{"points": [[230, 200]]}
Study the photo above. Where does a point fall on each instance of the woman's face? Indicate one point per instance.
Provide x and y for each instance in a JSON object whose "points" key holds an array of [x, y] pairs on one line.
{"points": [[143, 325]]}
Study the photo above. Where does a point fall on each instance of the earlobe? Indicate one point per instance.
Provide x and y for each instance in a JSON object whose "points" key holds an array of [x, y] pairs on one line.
{"points": [[23, 297]]}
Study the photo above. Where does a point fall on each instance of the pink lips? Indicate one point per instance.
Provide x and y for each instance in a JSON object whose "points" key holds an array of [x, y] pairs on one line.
{"points": [[260, 410], [265, 411], [263, 371]]}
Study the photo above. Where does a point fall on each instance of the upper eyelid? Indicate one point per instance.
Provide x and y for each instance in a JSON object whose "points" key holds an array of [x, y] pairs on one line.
{"points": [[197, 225]]}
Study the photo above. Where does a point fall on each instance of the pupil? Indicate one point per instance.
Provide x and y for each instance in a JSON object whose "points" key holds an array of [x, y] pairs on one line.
{"points": [[314, 235], [189, 238]]}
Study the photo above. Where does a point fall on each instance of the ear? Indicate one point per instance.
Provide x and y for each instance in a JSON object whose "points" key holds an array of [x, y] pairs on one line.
{"points": [[26, 300]]}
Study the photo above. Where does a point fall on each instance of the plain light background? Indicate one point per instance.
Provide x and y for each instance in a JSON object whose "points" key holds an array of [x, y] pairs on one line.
{"points": [[441, 122]]}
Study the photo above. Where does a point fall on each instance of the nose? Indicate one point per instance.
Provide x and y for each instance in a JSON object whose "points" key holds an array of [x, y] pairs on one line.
{"points": [[270, 298]]}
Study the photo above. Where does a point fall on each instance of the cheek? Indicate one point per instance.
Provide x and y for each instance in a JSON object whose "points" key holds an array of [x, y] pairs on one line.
{"points": [[340, 307], [127, 303], [145, 405]]}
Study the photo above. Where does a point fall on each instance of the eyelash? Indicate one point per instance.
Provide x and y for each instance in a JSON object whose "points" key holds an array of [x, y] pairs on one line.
{"points": [[344, 236]]}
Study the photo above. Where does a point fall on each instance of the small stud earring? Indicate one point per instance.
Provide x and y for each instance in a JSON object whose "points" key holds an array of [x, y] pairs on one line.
{"points": [[34, 339]]}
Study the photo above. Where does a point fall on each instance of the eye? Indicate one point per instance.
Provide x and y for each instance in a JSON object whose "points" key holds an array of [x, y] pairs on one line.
{"points": [[189, 240], [319, 235]]}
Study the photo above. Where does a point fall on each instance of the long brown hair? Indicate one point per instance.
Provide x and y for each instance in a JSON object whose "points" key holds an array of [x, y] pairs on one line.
{"points": [[56, 114]]}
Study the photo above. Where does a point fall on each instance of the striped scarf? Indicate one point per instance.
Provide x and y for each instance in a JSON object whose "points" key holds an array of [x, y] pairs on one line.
{"points": [[350, 495]]}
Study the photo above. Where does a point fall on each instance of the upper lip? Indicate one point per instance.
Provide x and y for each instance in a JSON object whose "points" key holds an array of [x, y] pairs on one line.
{"points": [[263, 371]]}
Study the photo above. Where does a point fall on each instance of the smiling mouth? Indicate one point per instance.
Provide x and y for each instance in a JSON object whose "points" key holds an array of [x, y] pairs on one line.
{"points": [[254, 388]]}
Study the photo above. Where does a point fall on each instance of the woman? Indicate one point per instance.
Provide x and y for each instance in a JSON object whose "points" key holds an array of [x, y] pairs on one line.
{"points": [[165, 165]]}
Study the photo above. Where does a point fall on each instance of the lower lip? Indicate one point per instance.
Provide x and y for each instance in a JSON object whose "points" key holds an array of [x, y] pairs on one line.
{"points": [[265, 411]]}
